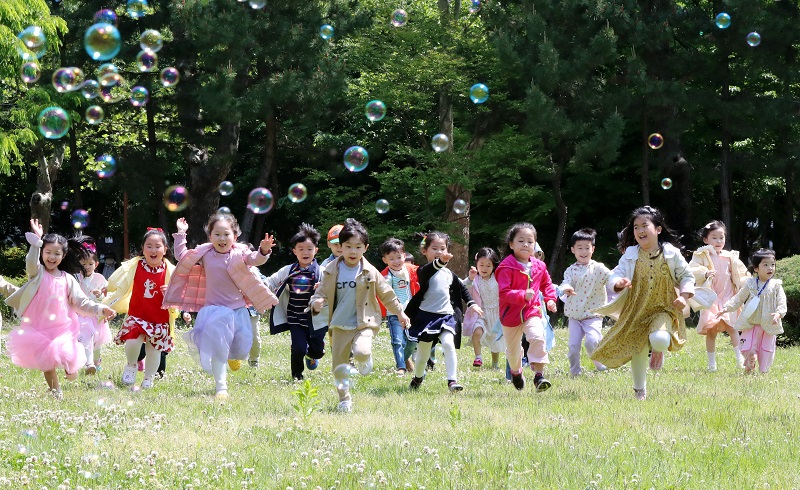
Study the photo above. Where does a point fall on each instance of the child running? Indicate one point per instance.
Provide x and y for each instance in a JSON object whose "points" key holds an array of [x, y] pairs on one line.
{"points": [[137, 288], [722, 270], [436, 310], [585, 288], [352, 288], [94, 333], [650, 311], [484, 290], [520, 278], [215, 280], [402, 276], [760, 321], [294, 285], [47, 337]]}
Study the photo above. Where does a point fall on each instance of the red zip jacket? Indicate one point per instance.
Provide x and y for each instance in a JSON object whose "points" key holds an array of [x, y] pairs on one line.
{"points": [[512, 282], [412, 279]]}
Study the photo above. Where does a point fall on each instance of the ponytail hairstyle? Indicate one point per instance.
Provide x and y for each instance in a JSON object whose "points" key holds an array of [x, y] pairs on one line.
{"points": [[156, 232], [431, 236], [627, 238], [89, 249], [74, 252]]}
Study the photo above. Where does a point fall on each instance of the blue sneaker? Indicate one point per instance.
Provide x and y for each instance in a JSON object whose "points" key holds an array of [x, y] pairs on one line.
{"points": [[311, 364]]}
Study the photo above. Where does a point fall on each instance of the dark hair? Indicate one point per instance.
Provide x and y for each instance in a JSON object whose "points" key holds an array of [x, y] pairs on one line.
{"points": [[583, 235], [156, 232], [72, 249], [392, 245], [353, 228], [714, 225], [409, 257], [434, 235], [488, 253], [512, 233], [231, 219], [757, 257], [305, 232], [627, 239], [89, 247]]}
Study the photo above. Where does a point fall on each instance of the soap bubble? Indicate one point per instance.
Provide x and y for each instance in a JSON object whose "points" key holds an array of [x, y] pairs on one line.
{"points": [[33, 43], [260, 200], [342, 376], [22, 449], [224, 209], [754, 39], [666, 184], [382, 206], [53, 122], [117, 92], [151, 40], [375, 110], [105, 16], [258, 4], [723, 20], [101, 402], [111, 79], [225, 188], [64, 205], [301, 284], [105, 69], [90, 89], [655, 141], [137, 8], [107, 385], [108, 165], [479, 93], [94, 114], [440, 142], [31, 433], [30, 72], [459, 206], [170, 76], [326, 31], [67, 79], [474, 6], [139, 96], [102, 41], [356, 159], [79, 218], [298, 192], [146, 60], [176, 198], [399, 18]]}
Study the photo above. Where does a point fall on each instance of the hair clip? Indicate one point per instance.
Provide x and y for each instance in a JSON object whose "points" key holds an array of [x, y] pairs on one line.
{"points": [[155, 229], [90, 247]]}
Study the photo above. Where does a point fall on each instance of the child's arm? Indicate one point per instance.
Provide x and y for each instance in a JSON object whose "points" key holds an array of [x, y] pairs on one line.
{"points": [[467, 298], [566, 285], [274, 281], [700, 272], [547, 289], [179, 238], [260, 256], [737, 301], [34, 238], [684, 276], [780, 308], [508, 295], [319, 297], [386, 296], [6, 288], [82, 303]]}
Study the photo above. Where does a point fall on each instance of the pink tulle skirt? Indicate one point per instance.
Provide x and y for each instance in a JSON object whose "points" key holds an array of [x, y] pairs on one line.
{"points": [[97, 331], [47, 337]]}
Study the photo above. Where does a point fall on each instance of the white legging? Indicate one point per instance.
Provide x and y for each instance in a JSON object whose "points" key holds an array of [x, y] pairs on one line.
{"points": [[659, 342], [447, 339], [152, 355]]}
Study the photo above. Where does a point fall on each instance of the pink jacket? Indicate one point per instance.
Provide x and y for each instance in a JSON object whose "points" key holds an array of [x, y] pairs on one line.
{"points": [[187, 287], [512, 281]]}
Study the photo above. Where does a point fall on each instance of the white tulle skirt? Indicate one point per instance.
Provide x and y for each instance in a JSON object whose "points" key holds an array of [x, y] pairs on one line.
{"points": [[219, 334]]}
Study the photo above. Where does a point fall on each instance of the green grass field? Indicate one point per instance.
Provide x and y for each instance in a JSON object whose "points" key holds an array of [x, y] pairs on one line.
{"points": [[695, 430]]}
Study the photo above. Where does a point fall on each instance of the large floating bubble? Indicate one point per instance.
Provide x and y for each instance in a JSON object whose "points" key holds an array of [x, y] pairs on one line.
{"points": [[440, 142], [326, 31], [105, 16], [170, 76], [80, 219], [225, 188], [90, 89], [459, 206], [342, 376], [723, 20], [137, 8], [33, 43], [94, 114], [297, 193], [655, 141], [53, 122], [151, 40], [356, 158], [102, 41], [666, 184], [260, 200], [754, 39], [301, 284], [146, 60], [67, 79], [107, 166], [30, 72], [399, 18], [474, 6], [479, 93], [176, 198], [139, 96], [375, 110], [382, 206], [258, 4]]}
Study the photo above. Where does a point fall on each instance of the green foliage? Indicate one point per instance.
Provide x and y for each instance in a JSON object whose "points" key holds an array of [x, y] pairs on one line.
{"points": [[789, 272], [307, 399], [12, 261]]}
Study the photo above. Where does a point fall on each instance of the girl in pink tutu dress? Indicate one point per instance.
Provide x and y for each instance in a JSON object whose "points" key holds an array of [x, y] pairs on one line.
{"points": [[216, 280], [137, 288], [94, 333], [722, 271], [48, 306]]}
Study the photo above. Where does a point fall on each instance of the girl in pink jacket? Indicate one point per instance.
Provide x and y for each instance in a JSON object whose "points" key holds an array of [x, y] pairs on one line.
{"points": [[520, 278]]}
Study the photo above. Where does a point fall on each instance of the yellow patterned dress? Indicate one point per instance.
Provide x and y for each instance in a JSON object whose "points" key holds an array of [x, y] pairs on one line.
{"points": [[647, 308]]}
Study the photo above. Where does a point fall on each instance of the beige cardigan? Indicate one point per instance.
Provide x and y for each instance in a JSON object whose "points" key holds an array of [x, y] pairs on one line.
{"points": [[773, 300], [701, 263]]}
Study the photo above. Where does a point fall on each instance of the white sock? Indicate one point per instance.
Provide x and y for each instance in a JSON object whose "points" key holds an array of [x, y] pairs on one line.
{"points": [[132, 349], [220, 372], [712, 360]]}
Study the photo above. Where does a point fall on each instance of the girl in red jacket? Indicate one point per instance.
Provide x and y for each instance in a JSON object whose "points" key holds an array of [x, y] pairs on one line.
{"points": [[520, 277]]}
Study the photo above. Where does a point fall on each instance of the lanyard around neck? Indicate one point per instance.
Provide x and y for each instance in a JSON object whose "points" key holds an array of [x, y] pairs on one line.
{"points": [[762, 287]]}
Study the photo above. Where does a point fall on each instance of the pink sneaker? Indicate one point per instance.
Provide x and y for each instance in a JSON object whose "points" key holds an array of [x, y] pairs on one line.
{"points": [[656, 360], [140, 365]]}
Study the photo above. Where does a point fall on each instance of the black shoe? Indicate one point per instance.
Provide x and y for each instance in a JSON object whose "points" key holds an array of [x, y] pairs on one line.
{"points": [[415, 383], [518, 380], [298, 377], [431, 365], [541, 383]]}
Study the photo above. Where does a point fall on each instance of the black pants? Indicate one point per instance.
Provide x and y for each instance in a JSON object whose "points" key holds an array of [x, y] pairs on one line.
{"points": [[162, 365], [305, 341]]}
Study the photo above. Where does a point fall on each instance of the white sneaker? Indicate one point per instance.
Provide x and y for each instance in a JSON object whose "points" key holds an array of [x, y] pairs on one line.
{"points": [[366, 368], [147, 383], [129, 375], [345, 406]]}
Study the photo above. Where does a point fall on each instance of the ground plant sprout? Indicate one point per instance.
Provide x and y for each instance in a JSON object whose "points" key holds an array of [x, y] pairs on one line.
{"points": [[260, 200], [356, 159]]}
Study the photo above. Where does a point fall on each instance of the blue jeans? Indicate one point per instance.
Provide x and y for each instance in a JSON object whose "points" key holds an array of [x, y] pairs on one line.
{"points": [[401, 347]]}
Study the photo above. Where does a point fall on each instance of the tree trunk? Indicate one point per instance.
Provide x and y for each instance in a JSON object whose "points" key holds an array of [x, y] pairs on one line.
{"points": [[556, 263], [789, 222], [46, 174], [152, 147], [252, 224]]}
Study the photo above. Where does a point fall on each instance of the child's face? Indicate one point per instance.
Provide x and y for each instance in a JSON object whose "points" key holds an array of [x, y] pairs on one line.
{"points": [[52, 255], [336, 249], [222, 236], [305, 252], [395, 260], [523, 244], [766, 269], [352, 250], [89, 265], [646, 233], [485, 267], [436, 248], [583, 250], [154, 251], [716, 239]]}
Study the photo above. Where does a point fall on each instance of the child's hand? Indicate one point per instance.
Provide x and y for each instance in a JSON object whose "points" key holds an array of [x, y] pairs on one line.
{"points": [[551, 306], [104, 291], [317, 304], [182, 225], [187, 317], [445, 257], [477, 309], [710, 274], [568, 290], [679, 303], [266, 244], [108, 313], [163, 289], [529, 294], [776, 317], [472, 273], [97, 293], [405, 322], [36, 228], [622, 284]]}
